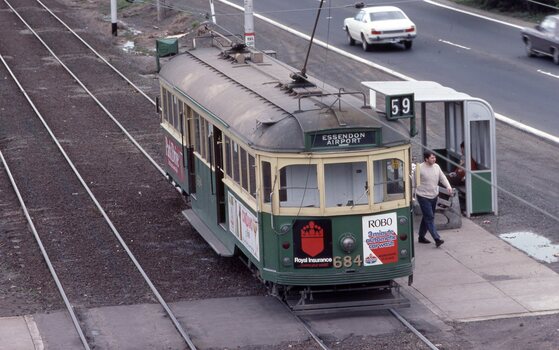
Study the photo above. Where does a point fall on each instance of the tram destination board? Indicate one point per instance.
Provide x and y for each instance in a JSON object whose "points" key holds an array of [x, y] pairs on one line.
{"points": [[343, 138], [400, 106]]}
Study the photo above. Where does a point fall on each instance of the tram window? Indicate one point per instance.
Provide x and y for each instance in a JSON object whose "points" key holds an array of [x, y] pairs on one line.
{"points": [[235, 162], [197, 146], [175, 112], [180, 116], [346, 184], [228, 169], [167, 106], [301, 186], [252, 175], [203, 138], [210, 142], [266, 181], [244, 169], [389, 180]]}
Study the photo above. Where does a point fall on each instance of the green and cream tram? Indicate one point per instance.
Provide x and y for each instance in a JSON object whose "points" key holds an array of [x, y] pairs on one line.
{"points": [[305, 181]]}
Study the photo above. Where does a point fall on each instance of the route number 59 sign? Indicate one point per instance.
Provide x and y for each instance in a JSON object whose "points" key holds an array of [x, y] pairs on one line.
{"points": [[401, 106]]}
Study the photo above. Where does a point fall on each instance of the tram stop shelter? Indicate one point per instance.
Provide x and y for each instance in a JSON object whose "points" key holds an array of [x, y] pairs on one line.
{"points": [[464, 119]]}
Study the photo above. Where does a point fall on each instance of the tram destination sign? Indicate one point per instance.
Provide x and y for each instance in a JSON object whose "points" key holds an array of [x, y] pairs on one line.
{"points": [[338, 138]]}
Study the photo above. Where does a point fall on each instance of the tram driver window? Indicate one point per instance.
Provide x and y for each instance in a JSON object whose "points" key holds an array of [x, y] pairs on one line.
{"points": [[389, 180], [300, 186], [346, 184]]}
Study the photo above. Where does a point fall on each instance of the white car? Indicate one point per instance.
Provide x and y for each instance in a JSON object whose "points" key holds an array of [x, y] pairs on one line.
{"points": [[380, 25]]}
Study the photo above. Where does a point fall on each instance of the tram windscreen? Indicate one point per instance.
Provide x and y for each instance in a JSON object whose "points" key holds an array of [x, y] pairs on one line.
{"points": [[299, 186], [389, 180], [346, 184]]}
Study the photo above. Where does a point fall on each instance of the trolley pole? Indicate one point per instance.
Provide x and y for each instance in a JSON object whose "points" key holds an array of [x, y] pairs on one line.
{"points": [[249, 24], [113, 18]]}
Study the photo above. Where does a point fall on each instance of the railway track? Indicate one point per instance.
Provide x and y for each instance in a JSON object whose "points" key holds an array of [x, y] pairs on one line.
{"points": [[98, 99], [80, 214]]}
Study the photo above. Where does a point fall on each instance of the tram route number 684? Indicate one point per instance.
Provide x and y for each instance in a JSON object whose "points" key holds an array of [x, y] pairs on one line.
{"points": [[400, 106]]}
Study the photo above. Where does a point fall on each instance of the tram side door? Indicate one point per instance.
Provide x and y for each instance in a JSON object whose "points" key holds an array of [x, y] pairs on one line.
{"points": [[218, 166]]}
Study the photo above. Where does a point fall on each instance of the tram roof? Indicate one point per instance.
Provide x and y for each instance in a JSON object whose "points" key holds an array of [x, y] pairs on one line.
{"points": [[424, 91], [253, 101]]}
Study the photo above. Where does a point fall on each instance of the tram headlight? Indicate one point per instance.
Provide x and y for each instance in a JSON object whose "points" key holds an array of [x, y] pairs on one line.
{"points": [[284, 228], [347, 242], [404, 253], [286, 261], [402, 220]]}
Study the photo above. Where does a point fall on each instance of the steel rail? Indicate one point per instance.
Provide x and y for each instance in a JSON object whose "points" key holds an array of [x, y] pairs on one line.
{"points": [[413, 329], [33, 229], [90, 193], [89, 92], [315, 337], [96, 53]]}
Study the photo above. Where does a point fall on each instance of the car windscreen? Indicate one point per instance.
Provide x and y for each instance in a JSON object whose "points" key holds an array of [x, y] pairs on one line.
{"points": [[386, 16]]}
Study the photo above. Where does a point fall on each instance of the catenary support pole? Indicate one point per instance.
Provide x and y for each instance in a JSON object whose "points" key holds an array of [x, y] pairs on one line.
{"points": [[113, 18], [249, 24]]}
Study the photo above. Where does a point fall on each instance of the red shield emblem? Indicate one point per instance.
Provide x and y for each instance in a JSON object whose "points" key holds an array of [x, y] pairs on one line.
{"points": [[312, 239]]}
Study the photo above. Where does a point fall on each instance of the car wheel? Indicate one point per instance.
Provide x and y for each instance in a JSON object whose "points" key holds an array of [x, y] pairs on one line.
{"points": [[350, 40], [556, 55], [364, 43], [528, 46], [408, 44]]}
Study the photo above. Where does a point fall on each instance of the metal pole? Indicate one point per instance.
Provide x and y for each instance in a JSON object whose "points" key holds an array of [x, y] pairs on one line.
{"points": [[249, 24], [212, 10], [113, 18], [158, 7]]}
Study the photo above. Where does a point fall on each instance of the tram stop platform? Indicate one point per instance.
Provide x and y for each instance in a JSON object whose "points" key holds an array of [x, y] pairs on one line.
{"points": [[472, 276]]}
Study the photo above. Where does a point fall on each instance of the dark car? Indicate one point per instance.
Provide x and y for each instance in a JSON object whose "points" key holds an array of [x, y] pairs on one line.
{"points": [[543, 39]]}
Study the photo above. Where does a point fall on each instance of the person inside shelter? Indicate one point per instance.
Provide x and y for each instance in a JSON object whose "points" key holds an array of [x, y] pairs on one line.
{"points": [[458, 176]]}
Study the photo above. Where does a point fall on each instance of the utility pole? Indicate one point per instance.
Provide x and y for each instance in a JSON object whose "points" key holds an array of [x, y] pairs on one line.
{"points": [[113, 18], [249, 24], [212, 10]]}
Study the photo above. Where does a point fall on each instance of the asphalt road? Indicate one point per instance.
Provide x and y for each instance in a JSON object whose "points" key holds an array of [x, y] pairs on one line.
{"points": [[474, 55]]}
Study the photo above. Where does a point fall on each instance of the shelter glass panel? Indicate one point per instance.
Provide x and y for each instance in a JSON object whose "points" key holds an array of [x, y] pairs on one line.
{"points": [[389, 180], [301, 186], [454, 125], [346, 184], [481, 143]]}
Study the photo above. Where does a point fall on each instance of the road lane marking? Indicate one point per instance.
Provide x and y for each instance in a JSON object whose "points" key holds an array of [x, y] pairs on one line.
{"points": [[453, 44], [547, 73]]}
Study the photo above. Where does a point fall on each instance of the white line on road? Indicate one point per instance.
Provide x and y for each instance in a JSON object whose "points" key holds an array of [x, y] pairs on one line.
{"points": [[499, 117], [547, 73], [453, 44]]}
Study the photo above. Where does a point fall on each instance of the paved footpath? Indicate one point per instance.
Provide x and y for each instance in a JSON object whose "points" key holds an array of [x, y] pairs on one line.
{"points": [[473, 276]]}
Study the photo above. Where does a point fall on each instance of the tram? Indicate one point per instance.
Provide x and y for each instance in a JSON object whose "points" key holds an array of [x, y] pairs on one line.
{"points": [[304, 181]]}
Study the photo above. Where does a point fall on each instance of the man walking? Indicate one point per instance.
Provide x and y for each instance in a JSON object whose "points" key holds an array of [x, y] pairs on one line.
{"points": [[427, 192]]}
